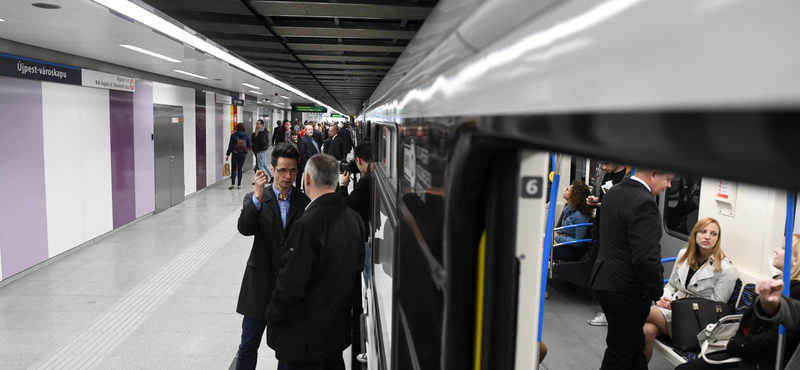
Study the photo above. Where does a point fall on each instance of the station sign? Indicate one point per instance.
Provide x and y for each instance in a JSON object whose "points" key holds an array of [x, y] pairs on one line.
{"points": [[334, 115], [222, 99], [309, 108], [32, 69], [237, 101], [108, 81]]}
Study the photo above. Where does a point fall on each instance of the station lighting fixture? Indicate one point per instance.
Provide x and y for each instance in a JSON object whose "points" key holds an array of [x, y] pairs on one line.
{"points": [[2, 20], [190, 74], [149, 19], [150, 53], [255, 92], [285, 97], [251, 86]]}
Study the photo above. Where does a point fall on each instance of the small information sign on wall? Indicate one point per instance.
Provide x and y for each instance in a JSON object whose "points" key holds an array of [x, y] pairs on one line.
{"points": [[108, 81]]}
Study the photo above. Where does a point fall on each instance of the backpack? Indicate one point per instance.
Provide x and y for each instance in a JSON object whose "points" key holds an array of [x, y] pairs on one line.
{"points": [[241, 145]]}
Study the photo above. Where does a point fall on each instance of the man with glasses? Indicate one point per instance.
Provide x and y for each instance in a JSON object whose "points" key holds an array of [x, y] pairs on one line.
{"points": [[269, 213]]}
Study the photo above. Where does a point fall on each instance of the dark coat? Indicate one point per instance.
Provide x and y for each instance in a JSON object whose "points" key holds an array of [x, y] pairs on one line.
{"points": [[306, 149], [337, 148], [757, 350], [234, 138], [360, 200], [630, 253], [318, 137], [309, 316], [260, 141], [347, 139], [262, 265], [279, 136]]}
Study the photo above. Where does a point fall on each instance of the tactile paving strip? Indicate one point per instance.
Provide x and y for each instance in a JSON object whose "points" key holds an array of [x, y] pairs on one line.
{"points": [[91, 346]]}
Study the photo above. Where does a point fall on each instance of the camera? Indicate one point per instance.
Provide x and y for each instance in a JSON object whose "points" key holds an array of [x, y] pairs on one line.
{"points": [[351, 167]]}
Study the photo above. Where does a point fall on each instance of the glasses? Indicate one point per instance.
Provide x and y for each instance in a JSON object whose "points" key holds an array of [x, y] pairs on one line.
{"points": [[284, 172]]}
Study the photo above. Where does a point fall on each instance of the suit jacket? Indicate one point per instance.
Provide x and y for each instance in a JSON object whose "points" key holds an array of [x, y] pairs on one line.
{"points": [[318, 137], [360, 200], [629, 260], [347, 139], [309, 316], [306, 149], [262, 265], [337, 148], [279, 136]]}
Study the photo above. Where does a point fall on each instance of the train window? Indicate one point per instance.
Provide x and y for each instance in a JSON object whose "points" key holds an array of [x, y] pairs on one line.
{"points": [[388, 149], [683, 198]]}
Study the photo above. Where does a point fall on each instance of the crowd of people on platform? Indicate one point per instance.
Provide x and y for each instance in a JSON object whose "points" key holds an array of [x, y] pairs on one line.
{"points": [[302, 280], [627, 275]]}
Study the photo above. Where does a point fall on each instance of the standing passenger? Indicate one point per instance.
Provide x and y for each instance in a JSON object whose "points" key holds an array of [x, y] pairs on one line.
{"points": [[260, 142], [238, 146], [309, 315], [269, 213], [627, 276]]}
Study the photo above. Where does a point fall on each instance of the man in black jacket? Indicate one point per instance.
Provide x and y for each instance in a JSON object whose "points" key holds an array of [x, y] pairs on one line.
{"points": [[360, 199], [310, 312], [337, 144], [269, 213], [260, 140], [307, 148], [627, 275], [347, 138]]}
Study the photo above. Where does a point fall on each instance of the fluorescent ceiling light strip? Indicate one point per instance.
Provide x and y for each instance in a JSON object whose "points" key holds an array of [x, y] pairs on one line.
{"points": [[251, 86], [190, 74], [255, 92], [150, 53], [149, 19], [285, 97], [2, 20]]}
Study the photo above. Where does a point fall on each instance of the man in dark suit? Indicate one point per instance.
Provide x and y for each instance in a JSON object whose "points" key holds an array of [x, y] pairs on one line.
{"points": [[310, 312], [307, 148], [628, 275], [318, 137], [336, 149], [347, 138], [269, 213]]}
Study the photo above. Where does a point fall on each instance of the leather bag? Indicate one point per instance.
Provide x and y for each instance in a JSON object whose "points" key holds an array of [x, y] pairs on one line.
{"points": [[715, 338], [690, 316]]}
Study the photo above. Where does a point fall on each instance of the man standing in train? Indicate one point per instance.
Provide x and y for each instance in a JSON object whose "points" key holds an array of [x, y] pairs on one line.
{"points": [[628, 275], [307, 148], [269, 213], [310, 314]]}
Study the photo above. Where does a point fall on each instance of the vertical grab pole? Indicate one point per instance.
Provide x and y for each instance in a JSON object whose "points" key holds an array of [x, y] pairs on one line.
{"points": [[548, 240], [787, 271]]}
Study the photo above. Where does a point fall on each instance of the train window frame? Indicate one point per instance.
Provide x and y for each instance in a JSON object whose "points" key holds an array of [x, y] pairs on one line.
{"points": [[665, 216], [385, 141]]}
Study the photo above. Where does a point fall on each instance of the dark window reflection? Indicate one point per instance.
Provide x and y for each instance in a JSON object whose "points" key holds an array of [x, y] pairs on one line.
{"points": [[683, 199]]}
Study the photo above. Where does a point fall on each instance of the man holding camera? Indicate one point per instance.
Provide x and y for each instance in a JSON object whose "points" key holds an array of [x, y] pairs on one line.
{"points": [[269, 213], [361, 197], [310, 313]]}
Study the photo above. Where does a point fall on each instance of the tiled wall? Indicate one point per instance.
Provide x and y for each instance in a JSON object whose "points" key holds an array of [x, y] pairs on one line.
{"points": [[78, 162]]}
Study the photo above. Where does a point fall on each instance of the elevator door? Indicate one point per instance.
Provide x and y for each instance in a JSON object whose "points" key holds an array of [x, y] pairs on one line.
{"points": [[168, 143]]}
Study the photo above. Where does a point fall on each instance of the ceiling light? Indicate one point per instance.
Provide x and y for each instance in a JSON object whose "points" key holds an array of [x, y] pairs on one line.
{"points": [[285, 97], [190, 74], [159, 24], [251, 86], [2, 20], [150, 53], [46, 6], [255, 92]]}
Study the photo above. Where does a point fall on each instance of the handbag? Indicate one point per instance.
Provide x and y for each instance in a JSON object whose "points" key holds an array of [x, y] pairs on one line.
{"points": [[226, 169], [715, 338], [690, 316]]}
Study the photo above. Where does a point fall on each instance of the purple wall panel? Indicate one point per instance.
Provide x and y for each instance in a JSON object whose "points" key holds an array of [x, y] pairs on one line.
{"points": [[143, 148], [220, 141], [23, 209], [123, 171], [200, 137]]}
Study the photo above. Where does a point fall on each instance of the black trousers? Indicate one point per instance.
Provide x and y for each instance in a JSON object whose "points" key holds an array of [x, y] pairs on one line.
{"points": [[332, 363], [626, 314]]}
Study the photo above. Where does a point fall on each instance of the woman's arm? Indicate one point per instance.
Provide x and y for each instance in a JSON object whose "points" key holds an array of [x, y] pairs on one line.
{"points": [[726, 282]]}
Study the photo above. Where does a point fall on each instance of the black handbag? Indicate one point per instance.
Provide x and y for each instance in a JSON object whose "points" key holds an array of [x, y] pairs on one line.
{"points": [[690, 316]]}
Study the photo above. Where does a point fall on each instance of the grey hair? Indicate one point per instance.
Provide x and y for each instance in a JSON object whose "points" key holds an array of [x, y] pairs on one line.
{"points": [[340, 125], [324, 170]]}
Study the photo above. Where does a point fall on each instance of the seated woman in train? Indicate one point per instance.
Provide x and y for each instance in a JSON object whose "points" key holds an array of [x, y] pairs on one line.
{"points": [[577, 211], [756, 340], [701, 270]]}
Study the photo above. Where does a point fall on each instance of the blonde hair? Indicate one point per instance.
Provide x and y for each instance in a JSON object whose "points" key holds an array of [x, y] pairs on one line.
{"points": [[692, 254], [795, 274]]}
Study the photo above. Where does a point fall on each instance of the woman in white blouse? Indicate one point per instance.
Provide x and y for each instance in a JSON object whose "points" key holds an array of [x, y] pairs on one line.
{"points": [[701, 270]]}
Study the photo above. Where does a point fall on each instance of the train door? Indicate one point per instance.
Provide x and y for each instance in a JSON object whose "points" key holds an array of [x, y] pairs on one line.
{"points": [[168, 144]]}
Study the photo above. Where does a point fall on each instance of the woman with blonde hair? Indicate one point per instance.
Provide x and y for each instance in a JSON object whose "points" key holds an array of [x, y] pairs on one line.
{"points": [[701, 270]]}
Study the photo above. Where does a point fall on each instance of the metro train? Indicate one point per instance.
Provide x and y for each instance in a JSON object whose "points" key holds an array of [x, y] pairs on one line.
{"points": [[464, 125]]}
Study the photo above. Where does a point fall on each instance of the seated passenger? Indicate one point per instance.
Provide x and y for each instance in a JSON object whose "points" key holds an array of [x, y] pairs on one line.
{"points": [[756, 340], [702, 270], [577, 211]]}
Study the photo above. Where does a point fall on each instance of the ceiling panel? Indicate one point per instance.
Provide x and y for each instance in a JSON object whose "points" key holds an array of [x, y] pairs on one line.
{"points": [[337, 50]]}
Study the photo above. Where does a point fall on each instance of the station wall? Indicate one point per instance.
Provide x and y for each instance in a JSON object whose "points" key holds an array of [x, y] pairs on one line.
{"points": [[79, 162]]}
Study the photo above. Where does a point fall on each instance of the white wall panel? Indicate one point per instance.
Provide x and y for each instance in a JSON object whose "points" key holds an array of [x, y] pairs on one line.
{"points": [[183, 97], [63, 166], [96, 162], [756, 228], [211, 140]]}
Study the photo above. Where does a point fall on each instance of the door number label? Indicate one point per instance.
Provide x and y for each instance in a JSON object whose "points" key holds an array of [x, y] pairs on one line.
{"points": [[532, 187]]}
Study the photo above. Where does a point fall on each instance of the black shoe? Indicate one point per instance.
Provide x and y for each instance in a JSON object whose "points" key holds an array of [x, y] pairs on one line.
{"points": [[254, 182]]}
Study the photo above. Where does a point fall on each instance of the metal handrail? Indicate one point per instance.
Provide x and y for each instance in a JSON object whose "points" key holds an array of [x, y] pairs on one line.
{"points": [[668, 259], [571, 242], [573, 226]]}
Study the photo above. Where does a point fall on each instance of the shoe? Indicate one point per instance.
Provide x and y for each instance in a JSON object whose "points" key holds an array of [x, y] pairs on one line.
{"points": [[230, 187], [239, 187], [599, 320]]}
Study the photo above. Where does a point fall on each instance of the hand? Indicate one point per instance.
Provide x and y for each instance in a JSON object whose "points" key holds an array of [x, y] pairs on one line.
{"points": [[664, 303], [593, 201], [769, 295], [344, 179], [261, 185], [226, 158]]}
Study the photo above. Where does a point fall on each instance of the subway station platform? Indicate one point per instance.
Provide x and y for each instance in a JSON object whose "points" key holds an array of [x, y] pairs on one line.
{"points": [[160, 293]]}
